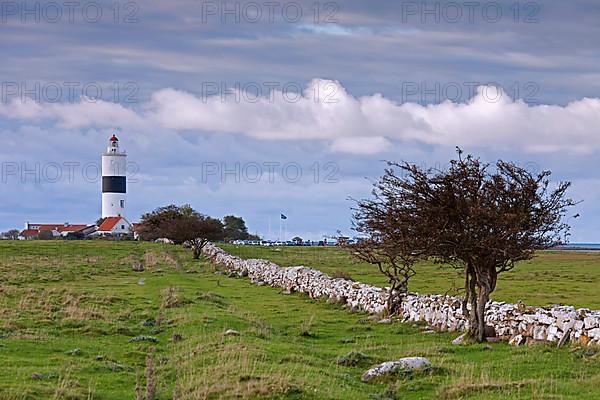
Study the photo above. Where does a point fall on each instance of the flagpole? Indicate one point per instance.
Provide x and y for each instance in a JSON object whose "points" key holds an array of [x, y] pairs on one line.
{"points": [[279, 237], [269, 236]]}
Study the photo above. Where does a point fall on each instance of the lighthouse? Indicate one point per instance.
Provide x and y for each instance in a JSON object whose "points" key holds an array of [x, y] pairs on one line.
{"points": [[114, 186]]}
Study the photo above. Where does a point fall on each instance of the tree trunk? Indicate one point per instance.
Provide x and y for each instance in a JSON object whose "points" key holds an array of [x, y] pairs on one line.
{"points": [[470, 288], [481, 283], [196, 251], [482, 299], [472, 297], [197, 246], [395, 297]]}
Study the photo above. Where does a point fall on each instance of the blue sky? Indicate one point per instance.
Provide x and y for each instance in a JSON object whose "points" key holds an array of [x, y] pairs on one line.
{"points": [[359, 83]]}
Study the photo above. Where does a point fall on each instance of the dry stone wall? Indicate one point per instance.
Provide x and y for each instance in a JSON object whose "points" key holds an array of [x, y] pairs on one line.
{"points": [[516, 321]]}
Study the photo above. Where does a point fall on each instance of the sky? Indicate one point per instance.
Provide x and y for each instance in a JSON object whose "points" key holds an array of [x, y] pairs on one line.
{"points": [[260, 108]]}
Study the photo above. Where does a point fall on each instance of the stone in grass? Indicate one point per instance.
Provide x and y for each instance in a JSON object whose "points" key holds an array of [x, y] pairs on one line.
{"points": [[74, 352], [460, 340], [231, 332], [517, 340], [407, 364], [144, 338], [354, 358], [138, 266], [44, 375], [564, 338]]}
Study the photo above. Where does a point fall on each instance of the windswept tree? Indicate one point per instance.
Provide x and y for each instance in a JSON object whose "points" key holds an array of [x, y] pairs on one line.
{"points": [[392, 237], [488, 219], [480, 219], [181, 224]]}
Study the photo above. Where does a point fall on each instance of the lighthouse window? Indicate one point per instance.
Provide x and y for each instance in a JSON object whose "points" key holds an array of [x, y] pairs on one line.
{"points": [[122, 203]]}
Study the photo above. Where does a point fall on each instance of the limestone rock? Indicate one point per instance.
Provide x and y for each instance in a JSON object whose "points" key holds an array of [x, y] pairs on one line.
{"points": [[543, 318], [459, 340], [564, 338], [138, 266], [517, 340], [406, 364], [591, 322], [539, 333], [594, 333]]}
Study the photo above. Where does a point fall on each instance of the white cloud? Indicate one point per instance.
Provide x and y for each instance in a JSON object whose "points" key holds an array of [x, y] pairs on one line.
{"points": [[361, 145], [326, 112], [82, 114]]}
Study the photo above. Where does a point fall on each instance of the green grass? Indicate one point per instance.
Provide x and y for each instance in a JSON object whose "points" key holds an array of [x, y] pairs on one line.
{"points": [[552, 277], [76, 323]]}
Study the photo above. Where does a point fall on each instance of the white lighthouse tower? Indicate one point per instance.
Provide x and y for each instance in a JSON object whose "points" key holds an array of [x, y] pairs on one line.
{"points": [[114, 186]]}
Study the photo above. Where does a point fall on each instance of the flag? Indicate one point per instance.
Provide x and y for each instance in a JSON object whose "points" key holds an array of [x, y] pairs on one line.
{"points": [[283, 216]]}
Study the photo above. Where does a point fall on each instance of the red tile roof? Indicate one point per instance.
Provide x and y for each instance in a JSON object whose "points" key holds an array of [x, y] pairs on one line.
{"points": [[109, 223], [71, 228], [47, 227], [29, 232]]}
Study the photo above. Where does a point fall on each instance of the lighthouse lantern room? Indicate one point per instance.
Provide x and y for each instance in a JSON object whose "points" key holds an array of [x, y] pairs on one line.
{"points": [[114, 185]]}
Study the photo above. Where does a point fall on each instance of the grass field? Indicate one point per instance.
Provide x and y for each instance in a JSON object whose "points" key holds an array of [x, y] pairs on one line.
{"points": [[552, 277], [77, 322]]}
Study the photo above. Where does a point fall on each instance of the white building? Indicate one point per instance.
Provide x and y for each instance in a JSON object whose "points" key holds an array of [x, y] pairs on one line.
{"points": [[114, 226], [114, 191], [114, 181]]}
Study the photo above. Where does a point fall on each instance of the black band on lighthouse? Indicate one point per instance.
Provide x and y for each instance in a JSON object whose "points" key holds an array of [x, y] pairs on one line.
{"points": [[113, 184]]}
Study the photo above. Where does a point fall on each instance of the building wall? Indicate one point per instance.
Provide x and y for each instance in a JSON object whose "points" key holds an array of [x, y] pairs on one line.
{"points": [[119, 230], [111, 204]]}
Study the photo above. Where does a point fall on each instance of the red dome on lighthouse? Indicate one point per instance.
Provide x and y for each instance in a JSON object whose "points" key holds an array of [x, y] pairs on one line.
{"points": [[114, 138]]}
